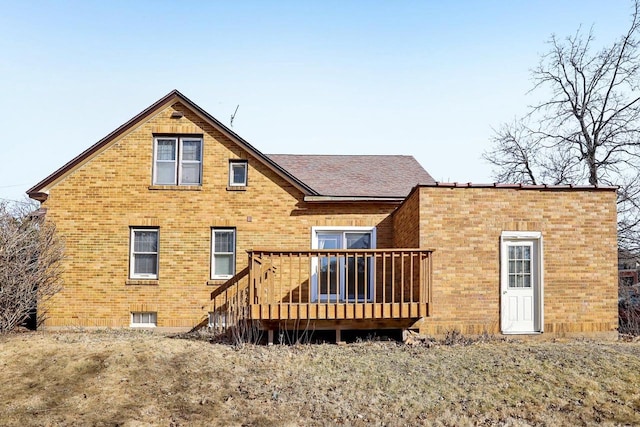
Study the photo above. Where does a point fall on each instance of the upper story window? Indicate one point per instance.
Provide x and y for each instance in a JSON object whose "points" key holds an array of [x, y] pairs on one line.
{"points": [[238, 173], [177, 161]]}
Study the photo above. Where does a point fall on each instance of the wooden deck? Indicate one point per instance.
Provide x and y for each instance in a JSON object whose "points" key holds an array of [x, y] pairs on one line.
{"points": [[339, 311], [327, 285]]}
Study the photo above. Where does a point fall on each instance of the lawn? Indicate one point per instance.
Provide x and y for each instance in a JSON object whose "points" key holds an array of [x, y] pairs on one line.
{"points": [[138, 379]]}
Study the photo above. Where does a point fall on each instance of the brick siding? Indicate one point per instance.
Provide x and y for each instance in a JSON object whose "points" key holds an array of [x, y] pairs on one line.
{"points": [[464, 226], [95, 206]]}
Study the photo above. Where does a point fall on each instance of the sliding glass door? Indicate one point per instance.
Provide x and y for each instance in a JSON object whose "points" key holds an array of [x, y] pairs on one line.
{"points": [[343, 277]]}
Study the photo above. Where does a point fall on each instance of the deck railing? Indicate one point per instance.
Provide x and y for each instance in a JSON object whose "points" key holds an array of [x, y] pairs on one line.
{"points": [[230, 302], [329, 284]]}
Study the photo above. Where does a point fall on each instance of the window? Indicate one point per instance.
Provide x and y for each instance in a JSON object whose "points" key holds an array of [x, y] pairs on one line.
{"points": [[237, 173], [341, 278], [178, 161], [520, 265], [223, 253], [144, 253], [144, 319]]}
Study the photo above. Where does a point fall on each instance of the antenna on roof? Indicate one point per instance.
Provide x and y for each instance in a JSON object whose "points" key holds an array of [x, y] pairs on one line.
{"points": [[233, 116]]}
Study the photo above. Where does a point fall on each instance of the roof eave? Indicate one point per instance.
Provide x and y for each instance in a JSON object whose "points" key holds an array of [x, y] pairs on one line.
{"points": [[553, 187], [41, 187], [333, 199]]}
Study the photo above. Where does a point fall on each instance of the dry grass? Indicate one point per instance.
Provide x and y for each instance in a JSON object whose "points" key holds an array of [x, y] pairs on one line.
{"points": [[135, 379]]}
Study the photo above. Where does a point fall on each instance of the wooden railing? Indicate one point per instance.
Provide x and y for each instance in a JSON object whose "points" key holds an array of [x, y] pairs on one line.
{"points": [[331, 284], [339, 284], [231, 302]]}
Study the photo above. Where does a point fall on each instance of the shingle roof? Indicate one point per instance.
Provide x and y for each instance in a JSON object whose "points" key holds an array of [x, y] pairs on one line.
{"points": [[355, 175]]}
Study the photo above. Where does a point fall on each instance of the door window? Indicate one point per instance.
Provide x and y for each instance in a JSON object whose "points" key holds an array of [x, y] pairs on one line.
{"points": [[519, 266]]}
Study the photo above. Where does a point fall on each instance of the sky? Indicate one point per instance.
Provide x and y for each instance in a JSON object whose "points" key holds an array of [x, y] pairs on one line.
{"points": [[426, 78]]}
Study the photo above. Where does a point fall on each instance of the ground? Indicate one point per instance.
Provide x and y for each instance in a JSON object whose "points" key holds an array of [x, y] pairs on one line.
{"points": [[139, 379]]}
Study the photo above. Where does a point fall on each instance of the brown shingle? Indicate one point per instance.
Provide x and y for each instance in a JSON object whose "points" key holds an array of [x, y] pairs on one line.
{"points": [[355, 175]]}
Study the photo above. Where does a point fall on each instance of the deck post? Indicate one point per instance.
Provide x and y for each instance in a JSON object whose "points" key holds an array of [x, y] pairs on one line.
{"points": [[338, 336], [251, 278], [270, 337]]}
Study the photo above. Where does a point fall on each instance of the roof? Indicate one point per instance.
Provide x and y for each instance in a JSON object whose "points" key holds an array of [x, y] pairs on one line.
{"points": [[318, 177], [367, 176]]}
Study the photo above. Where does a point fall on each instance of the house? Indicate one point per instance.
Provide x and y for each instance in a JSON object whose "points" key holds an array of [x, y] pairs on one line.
{"points": [[174, 221]]}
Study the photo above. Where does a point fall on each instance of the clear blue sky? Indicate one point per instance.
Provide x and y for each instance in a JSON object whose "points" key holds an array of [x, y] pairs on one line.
{"points": [[426, 78]]}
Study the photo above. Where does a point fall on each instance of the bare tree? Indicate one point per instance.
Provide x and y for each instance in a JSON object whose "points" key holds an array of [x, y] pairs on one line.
{"points": [[30, 264], [587, 129]]}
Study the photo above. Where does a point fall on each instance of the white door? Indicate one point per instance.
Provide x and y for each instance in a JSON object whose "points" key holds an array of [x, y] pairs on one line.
{"points": [[521, 310]]}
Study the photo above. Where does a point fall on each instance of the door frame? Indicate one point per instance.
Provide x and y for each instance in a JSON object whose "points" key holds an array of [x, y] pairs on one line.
{"points": [[315, 297], [534, 237]]}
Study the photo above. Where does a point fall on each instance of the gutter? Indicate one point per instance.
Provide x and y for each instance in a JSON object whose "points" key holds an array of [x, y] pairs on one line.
{"points": [[395, 200]]}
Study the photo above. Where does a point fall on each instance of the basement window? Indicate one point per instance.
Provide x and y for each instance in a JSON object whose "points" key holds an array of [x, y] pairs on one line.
{"points": [[144, 319]]}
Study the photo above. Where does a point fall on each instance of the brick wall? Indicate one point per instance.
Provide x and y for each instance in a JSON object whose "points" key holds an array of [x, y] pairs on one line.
{"points": [[95, 206], [464, 226]]}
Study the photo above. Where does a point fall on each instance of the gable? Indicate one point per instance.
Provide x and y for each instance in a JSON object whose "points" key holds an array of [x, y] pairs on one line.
{"points": [[40, 190]]}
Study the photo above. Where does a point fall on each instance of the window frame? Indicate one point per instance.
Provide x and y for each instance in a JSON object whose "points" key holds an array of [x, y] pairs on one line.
{"points": [[341, 296], [153, 319], [523, 277], [179, 161], [132, 253], [245, 166], [214, 276]]}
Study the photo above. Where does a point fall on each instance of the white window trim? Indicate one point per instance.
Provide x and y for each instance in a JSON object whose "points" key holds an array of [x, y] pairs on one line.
{"points": [[344, 229], [132, 271], [182, 162], [144, 325], [514, 236], [155, 159], [348, 229], [233, 254], [245, 164], [178, 161]]}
